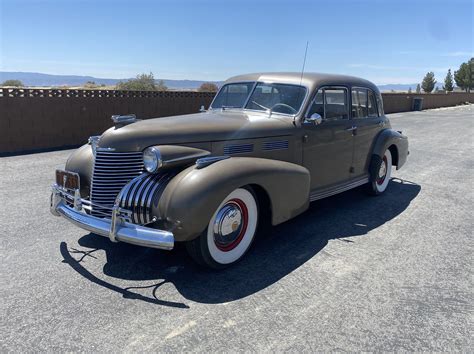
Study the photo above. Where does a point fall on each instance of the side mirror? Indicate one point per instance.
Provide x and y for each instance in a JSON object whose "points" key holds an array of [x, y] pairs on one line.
{"points": [[315, 119], [202, 109]]}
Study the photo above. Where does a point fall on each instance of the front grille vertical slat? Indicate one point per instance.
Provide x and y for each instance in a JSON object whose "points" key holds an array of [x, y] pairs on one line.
{"points": [[111, 172]]}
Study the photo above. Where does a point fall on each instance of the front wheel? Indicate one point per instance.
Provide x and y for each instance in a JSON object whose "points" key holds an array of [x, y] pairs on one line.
{"points": [[229, 233], [380, 173]]}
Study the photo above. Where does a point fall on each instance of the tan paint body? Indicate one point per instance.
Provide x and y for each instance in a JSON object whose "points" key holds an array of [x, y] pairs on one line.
{"points": [[317, 157]]}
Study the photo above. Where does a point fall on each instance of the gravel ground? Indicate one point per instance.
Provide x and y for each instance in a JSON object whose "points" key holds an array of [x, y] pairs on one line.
{"points": [[353, 273]]}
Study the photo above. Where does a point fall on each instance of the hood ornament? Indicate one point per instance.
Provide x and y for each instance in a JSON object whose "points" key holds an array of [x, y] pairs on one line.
{"points": [[121, 121]]}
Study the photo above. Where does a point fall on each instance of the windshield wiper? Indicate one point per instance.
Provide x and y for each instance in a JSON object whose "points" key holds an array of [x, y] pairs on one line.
{"points": [[261, 105], [228, 107]]}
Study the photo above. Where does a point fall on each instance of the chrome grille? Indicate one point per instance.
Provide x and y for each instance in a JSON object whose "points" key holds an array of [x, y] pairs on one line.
{"points": [[112, 171], [140, 193]]}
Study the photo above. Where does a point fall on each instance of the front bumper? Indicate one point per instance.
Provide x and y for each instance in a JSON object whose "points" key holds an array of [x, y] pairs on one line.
{"points": [[116, 229]]}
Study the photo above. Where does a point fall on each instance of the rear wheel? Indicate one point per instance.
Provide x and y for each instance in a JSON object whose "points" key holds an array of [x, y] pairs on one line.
{"points": [[380, 173], [229, 233]]}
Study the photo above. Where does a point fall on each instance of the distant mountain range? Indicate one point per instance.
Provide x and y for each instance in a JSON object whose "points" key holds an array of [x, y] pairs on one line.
{"points": [[38, 79], [397, 87]]}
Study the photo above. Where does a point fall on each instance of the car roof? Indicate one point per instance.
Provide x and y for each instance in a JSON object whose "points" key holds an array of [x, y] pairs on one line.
{"points": [[310, 80]]}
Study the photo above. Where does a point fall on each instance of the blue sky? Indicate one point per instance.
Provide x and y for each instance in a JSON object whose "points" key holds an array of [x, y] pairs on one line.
{"points": [[384, 41]]}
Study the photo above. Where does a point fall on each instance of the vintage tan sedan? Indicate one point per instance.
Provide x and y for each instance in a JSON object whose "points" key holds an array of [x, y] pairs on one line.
{"points": [[269, 144]]}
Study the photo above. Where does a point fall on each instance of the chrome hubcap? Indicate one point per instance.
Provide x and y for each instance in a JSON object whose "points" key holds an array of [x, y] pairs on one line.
{"points": [[382, 171], [230, 225]]}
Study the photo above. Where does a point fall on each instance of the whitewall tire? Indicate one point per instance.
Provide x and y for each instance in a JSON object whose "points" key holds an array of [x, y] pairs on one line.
{"points": [[381, 173], [230, 231]]}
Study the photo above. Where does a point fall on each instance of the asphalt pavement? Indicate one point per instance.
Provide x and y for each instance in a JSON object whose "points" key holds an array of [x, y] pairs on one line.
{"points": [[353, 273]]}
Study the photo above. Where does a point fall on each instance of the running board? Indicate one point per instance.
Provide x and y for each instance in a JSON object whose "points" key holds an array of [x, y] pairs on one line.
{"points": [[320, 194]]}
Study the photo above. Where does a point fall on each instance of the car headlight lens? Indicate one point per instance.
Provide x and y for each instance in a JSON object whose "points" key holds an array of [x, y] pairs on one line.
{"points": [[152, 159]]}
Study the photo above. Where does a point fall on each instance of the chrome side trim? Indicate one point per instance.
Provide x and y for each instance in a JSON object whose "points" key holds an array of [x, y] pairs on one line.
{"points": [[320, 194], [206, 161]]}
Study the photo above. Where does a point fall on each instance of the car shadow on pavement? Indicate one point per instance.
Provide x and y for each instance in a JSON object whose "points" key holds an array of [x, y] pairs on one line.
{"points": [[273, 255]]}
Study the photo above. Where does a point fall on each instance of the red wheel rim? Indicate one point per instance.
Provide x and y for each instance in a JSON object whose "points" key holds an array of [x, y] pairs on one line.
{"points": [[239, 204]]}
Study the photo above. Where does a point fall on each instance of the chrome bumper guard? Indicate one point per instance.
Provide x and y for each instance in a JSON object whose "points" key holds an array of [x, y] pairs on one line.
{"points": [[116, 229]]}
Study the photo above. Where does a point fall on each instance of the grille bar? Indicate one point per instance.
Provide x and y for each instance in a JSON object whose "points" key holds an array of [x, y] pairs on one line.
{"points": [[112, 171]]}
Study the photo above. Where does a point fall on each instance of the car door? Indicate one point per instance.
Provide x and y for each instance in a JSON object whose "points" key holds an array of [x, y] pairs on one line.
{"points": [[328, 146], [367, 122]]}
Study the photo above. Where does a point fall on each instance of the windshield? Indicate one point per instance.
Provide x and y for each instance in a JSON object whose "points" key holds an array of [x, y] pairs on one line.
{"points": [[279, 98], [233, 95]]}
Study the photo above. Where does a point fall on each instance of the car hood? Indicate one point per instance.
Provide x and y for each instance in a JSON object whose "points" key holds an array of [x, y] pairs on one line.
{"points": [[193, 128]]}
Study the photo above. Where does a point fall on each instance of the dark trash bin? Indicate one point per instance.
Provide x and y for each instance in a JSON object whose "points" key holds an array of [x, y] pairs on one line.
{"points": [[417, 103]]}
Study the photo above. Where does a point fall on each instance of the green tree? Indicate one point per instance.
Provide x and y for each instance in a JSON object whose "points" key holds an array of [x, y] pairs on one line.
{"points": [[464, 76], [429, 82], [418, 88], [143, 82], [409, 90], [448, 82], [160, 86], [90, 85], [208, 87], [16, 83]]}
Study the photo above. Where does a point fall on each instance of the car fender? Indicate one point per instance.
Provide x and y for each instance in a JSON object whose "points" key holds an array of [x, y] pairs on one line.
{"points": [[81, 161], [192, 196], [387, 138]]}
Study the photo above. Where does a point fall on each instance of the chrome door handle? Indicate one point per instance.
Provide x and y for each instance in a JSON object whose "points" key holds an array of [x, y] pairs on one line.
{"points": [[381, 123], [351, 128]]}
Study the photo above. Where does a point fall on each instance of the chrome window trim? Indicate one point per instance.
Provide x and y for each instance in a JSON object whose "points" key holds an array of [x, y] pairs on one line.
{"points": [[324, 99]]}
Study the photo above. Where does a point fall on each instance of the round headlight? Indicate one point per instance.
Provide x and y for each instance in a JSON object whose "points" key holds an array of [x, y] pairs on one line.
{"points": [[152, 159]]}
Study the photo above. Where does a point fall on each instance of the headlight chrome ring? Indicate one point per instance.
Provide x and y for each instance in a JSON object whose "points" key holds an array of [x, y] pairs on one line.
{"points": [[152, 159]]}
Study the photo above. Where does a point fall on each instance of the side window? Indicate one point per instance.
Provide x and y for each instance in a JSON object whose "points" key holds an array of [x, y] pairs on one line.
{"points": [[359, 103], [331, 104], [372, 105], [380, 104], [335, 104], [318, 104]]}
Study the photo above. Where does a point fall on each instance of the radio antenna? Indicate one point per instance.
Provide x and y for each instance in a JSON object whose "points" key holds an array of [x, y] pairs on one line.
{"points": [[304, 62], [302, 72]]}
